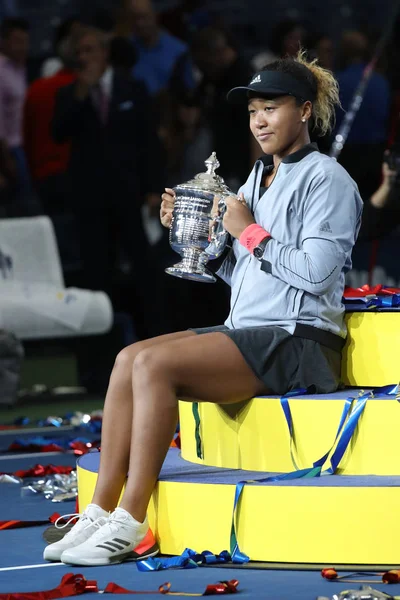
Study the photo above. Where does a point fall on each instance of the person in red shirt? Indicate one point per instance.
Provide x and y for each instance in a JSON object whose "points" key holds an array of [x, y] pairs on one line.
{"points": [[47, 160]]}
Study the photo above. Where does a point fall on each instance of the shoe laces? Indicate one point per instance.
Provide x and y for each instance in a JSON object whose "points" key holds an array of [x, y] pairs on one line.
{"points": [[72, 517], [80, 518], [111, 526]]}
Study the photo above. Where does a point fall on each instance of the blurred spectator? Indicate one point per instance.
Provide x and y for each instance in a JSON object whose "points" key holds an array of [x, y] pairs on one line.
{"points": [[363, 152], [157, 50], [381, 214], [321, 47], [47, 160], [115, 164], [186, 18], [222, 68], [53, 64], [186, 139], [287, 38], [14, 34], [122, 55]]}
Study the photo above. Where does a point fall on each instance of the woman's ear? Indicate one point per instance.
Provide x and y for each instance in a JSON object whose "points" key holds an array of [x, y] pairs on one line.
{"points": [[306, 111]]}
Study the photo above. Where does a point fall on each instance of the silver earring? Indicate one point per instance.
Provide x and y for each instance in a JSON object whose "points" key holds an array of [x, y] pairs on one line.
{"points": [[303, 120]]}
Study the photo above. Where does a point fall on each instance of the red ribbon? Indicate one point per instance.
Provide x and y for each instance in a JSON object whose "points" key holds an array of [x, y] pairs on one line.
{"points": [[78, 448], [75, 585], [15, 447], [368, 290], [176, 442], [391, 576], [70, 585], [114, 588], [41, 471], [223, 587], [19, 524], [331, 574]]}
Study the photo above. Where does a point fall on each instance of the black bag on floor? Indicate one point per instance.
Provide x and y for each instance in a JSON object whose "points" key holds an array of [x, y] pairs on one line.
{"points": [[11, 356]]}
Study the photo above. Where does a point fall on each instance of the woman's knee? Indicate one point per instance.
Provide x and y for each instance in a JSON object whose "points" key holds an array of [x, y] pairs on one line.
{"points": [[126, 357], [150, 363]]}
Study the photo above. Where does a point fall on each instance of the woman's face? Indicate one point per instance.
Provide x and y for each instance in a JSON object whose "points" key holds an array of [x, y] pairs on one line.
{"points": [[277, 123]]}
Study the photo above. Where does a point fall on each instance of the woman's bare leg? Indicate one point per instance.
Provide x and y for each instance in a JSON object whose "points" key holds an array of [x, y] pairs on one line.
{"points": [[208, 368], [117, 422]]}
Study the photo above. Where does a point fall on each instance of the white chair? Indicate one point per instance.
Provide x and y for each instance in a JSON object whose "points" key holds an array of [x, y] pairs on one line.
{"points": [[34, 303]]}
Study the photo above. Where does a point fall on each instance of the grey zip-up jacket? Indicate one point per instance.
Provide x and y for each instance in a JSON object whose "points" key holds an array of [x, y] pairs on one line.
{"points": [[312, 210]]}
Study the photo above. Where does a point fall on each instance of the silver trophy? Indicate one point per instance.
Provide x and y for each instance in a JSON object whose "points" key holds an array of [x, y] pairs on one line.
{"points": [[197, 233]]}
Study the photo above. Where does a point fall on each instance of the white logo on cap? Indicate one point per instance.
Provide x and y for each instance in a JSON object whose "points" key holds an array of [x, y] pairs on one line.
{"points": [[256, 79]]}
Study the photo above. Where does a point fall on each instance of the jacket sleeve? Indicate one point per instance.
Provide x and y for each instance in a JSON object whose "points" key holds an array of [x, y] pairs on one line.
{"points": [[69, 114], [331, 220]]}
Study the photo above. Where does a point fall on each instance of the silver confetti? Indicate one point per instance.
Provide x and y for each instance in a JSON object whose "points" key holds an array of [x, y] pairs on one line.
{"points": [[10, 479], [57, 488]]}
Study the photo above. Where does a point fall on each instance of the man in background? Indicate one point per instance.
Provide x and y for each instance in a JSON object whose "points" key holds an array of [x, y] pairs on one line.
{"points": [[222, 67], [115, 165], [47, 160], [157, 50]]}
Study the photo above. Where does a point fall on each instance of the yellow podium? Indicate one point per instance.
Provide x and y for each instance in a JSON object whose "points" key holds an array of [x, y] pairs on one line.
{"points": [[346, 518]]}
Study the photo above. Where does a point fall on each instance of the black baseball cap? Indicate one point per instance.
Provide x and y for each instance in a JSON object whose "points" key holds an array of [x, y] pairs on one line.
{"points": [[271, 84]]}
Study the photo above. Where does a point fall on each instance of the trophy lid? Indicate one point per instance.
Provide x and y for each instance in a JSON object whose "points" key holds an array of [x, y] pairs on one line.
{"points": [[208, 181]]}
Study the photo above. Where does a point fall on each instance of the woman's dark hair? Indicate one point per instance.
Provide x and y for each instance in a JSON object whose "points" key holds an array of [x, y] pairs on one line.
{"points": [[322, 83]]}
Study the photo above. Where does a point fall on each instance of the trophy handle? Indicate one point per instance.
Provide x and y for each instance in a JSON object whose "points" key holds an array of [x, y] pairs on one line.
{"points": [[218, 235]]}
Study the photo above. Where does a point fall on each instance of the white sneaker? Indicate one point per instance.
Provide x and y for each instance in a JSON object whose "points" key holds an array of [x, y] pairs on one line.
{"points": [[114, 542], [89, 522]]}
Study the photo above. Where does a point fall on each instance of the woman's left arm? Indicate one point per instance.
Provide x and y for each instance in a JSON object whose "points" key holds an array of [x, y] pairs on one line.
{"points": [[331, 220]]}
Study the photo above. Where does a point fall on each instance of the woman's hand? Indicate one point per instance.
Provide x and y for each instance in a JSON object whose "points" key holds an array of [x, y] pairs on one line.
{"points": [[388, 174], [167, 207], [381, 196], [237, 216]]}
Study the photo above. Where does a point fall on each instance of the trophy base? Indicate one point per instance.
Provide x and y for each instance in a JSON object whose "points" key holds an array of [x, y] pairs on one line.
{"points": [[183, 272]]}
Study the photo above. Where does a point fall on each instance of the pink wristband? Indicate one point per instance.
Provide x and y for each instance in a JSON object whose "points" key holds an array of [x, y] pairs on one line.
{"points": [[252, 236]]}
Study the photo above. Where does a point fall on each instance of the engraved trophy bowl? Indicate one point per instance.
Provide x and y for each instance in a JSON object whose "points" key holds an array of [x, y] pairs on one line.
{"points": [[191, 234]]}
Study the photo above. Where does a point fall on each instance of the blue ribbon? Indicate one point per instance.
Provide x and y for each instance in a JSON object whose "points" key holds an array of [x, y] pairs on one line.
{"points": [[189, 559], [289, 420], [392, 301], [345, 430], [389, 301]]}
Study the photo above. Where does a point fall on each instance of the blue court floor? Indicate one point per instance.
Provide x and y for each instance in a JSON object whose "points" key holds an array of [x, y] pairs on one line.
{"points": [[23, 570]]}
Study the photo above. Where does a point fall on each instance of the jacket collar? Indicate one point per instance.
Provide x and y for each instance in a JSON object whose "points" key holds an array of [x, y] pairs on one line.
{"points": [[294, 157]]}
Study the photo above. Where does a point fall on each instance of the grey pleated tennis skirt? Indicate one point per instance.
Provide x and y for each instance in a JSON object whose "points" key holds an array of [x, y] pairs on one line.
{"points": [[284, 362]]}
